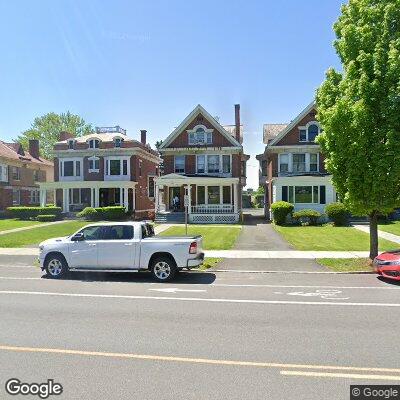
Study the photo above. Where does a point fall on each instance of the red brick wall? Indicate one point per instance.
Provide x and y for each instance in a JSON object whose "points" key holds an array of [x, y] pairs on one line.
{"points": [[5, 198], [168, 164], [190, 164], [93, 176]]}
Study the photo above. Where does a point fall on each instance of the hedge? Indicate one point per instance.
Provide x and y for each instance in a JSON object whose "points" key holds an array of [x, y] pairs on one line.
{"points": [[338, 214], [307, 216], [46, 217], [280, 210], [26, 213], [89, 214], [111, 213]]}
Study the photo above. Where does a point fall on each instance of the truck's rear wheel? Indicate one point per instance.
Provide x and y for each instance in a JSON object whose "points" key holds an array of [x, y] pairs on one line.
{"points": [[163, 269], [56, 266]]}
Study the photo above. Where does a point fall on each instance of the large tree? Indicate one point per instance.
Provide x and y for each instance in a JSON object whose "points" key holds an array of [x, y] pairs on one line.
{"points": [[47, 129], [359, 109]]}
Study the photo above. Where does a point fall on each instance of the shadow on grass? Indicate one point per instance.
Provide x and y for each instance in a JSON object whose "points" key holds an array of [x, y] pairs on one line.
{"points": [[183, 277]]}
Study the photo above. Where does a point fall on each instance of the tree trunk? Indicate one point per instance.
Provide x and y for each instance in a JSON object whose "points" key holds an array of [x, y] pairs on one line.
{"points": [[373, 235]]}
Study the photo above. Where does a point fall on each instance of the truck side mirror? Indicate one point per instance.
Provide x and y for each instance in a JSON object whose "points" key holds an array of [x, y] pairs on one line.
{"points": [[78, 237]]}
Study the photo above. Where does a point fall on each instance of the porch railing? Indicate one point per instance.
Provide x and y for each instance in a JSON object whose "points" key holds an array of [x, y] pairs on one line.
{"points": [[212, 209]]}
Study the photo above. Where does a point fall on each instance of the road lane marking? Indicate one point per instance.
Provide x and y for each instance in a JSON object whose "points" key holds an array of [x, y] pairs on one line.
{"points": [[304, 286], [199, 299], [20, 278], [341, 375], [153, 357], [19, 266], [174, 290]]}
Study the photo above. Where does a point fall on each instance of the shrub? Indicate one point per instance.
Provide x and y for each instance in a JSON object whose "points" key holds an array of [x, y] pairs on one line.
{"points": [[338, 214], [32, 212], [307, 216], [280, 210], [89, 214], [112, 213], [46, 217]]}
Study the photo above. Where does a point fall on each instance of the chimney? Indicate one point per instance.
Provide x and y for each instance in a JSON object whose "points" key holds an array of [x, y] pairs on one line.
{"points": [[143, 136], [237, 123], [64, 135], [34, 148]]}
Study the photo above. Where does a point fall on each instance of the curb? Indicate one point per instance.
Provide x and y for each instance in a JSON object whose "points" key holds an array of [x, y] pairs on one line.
{"points": [[291, 272]]}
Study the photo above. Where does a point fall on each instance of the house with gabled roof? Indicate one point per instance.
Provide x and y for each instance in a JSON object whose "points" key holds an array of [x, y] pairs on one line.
{"points": [[204, 162], [292, 166]]}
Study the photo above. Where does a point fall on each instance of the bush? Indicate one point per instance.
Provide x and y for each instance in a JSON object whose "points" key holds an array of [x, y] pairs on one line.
{"points": [[338, 214], [46, 217], [26, 213], [280, 210], [307, 216], [112, 213], [89, 214]]}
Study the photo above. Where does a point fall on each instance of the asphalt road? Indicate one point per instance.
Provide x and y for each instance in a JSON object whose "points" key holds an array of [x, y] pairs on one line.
{"points": [[206, 336]]}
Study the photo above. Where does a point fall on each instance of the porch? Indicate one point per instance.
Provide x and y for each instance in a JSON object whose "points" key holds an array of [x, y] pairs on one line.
{"points": [[75, 196], [210, 199]]}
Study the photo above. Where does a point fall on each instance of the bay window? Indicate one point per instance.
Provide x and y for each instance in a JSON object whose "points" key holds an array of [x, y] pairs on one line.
{"points": [[304, 194]]}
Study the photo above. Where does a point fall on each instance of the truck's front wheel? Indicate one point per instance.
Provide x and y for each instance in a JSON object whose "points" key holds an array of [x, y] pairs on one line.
{"points": [[163, 269], [56, 266]]}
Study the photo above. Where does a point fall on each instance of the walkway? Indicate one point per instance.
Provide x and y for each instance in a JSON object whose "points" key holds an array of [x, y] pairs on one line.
{"points": [[381, 234], [26, 228]]}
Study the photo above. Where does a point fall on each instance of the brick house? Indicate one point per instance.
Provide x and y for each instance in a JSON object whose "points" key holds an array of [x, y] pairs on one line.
{"points": [[205, 161], [20, 174], [292, 166], [103, 169]]}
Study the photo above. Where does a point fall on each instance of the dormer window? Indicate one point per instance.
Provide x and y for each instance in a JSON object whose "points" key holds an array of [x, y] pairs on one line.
{"points": [[71, 144], [200, 135], [118, 142], [94, 143], [309, 132]]}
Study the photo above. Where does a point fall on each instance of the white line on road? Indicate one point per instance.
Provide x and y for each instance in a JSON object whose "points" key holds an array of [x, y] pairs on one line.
{"points": [[200, 299], [18, 266], [340, 375], [306, 286]]}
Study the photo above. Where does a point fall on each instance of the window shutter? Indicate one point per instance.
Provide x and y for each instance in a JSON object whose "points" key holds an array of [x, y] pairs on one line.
{"points": [[322, 195], [284, 193]]}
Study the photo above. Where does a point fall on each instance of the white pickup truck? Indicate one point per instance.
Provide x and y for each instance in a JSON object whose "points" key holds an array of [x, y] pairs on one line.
{"points": [[120, 247]]}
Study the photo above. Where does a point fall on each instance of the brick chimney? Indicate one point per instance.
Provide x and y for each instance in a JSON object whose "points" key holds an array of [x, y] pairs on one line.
{"points": [[237, 123], [64, 135], [34, 148], [143, 136]]}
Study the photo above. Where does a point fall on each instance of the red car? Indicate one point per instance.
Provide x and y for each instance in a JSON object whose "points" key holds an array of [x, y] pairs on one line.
{"points": [[388, 264]]}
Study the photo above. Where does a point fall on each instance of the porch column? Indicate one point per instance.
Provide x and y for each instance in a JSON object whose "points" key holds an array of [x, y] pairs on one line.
{"points": [[157, 198], [96, 197], [125, 198], [121, 196], [92, 194], [42, 196], [235, 198], [65, 200], [134, 198], [55, 197]]}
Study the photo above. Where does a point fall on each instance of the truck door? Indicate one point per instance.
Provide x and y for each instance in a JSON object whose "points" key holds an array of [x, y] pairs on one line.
{"points": [[84, 253]]}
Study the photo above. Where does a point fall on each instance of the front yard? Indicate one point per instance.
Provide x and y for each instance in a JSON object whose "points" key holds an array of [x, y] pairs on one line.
{"points": [[391, 227], [329, 238], [6, 224], [214, 237], [36, 235]]}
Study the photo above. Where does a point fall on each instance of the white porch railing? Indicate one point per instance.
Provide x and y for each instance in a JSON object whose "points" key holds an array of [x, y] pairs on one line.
{"points": [[212, 209]]}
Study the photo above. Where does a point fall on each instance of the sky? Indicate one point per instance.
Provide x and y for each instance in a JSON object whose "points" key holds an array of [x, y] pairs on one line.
{"points": [[147, 64]]}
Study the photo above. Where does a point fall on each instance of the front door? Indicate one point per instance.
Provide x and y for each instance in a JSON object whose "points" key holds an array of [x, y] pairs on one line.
{"points": [[117, 248], [175, 193], [84, 253]]}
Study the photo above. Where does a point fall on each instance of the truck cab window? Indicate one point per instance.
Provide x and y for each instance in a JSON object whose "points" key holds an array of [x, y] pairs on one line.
{"points": [[118, 232]]}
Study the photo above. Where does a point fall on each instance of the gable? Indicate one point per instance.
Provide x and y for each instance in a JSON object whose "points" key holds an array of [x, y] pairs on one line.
{"points": [[199, 117]]}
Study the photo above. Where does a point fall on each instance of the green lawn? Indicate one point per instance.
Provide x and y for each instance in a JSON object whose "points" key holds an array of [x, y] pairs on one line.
{"points": [[346, 264], [6, 224], [209, 262], [214, 238], [38, 234], [329, 238], [391, 227]]}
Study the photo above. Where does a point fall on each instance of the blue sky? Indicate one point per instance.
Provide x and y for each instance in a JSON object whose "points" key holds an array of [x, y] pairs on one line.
{"points": [[146, 64]]}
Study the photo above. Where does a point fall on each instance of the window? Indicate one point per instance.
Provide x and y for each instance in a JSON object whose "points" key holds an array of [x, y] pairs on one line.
{"points": [[243, 168], [213, 164], [313, 131], [75, 196], [150, 186], [302, 135], [94, 164], [68, 169], [77, 168], [179, 164], [309, 133], [226, 164], [125, 167], [16, 196], [299, 162], [303, 194], [226, 195], [92, 233], [71, 144], [94, 143], [16, 173], [322, 195], [200, 136], [115, 167], [213, 195], [201, 194], [291, 194], [3, 173], [118, 142], [34, 197], [283, 162], [118, 232], [201, 164], [313, 162]]}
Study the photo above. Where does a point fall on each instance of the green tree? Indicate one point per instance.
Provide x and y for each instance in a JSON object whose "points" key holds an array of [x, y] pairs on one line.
{"points": [[47, 129], [359, 110], [158, 144]]}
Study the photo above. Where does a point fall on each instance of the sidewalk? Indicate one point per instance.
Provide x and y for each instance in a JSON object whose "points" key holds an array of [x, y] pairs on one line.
{"points": [[381, 234]]}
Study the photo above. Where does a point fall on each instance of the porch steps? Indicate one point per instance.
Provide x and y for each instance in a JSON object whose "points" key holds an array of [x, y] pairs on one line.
{"points": [[170, 217]]}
